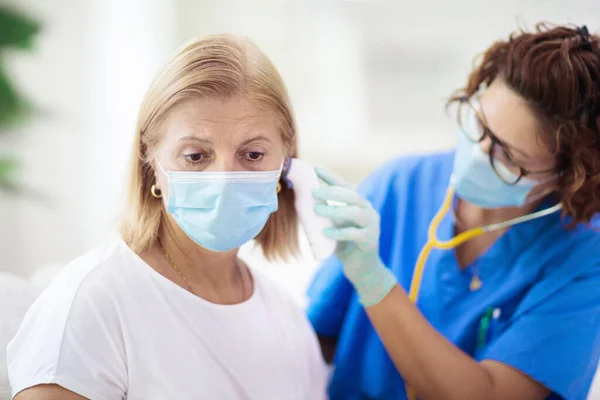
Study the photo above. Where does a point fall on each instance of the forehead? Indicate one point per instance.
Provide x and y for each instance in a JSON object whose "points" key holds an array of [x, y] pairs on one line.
{"points": [[510, 118], [236, 115]]}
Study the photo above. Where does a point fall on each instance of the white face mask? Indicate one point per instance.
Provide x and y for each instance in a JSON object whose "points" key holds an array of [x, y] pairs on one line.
{"points": [[476, 181], [222, 210]]}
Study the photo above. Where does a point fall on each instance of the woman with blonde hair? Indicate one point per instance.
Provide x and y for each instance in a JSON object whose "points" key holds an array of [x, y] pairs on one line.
{"points": [[170, 311]]}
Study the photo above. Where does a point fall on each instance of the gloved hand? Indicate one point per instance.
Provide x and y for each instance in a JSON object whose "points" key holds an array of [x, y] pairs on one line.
{"points": [[357, 232]]}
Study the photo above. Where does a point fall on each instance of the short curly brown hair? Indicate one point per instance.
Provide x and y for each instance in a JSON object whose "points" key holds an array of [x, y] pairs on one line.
{"points": [[556, 69]]}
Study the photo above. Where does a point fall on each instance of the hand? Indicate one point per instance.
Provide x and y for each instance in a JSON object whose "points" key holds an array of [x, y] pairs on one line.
{"points": [[357, 232]]}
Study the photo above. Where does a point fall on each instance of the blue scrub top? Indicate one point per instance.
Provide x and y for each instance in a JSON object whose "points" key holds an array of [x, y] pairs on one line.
{"points": [[541, 287]]}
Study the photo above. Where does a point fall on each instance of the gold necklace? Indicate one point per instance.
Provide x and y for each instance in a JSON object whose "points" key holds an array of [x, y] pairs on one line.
{"points": [[189, 286], [172, 263]]}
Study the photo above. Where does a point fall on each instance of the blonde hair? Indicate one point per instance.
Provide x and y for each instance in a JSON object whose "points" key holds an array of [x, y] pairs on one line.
{"points": [[218, 66]]}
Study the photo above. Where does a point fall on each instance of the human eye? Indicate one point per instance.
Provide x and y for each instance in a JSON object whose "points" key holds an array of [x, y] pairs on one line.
{"points": [[195, 157], [254, 156]]}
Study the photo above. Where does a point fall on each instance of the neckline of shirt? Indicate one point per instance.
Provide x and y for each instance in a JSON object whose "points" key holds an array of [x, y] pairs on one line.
{"points": [[172, 286]]}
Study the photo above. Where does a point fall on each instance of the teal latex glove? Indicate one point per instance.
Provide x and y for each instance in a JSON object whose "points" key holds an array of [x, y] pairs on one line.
{"points": [[357, 232]]}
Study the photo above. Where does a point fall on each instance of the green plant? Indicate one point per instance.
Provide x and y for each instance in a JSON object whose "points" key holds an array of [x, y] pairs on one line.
{"points": [[17, 31]]}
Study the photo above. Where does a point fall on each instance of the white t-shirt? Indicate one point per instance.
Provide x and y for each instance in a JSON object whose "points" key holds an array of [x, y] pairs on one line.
{"points": [[110, 327]]}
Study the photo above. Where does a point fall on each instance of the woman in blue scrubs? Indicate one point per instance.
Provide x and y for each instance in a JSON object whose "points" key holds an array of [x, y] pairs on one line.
{"points": [[475, 274]]}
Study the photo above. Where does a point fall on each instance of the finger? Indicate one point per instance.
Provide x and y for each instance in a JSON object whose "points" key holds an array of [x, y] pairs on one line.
{"points": [[344, 215], [330, 178], [341, 194], [362, 238], [347, 234]]}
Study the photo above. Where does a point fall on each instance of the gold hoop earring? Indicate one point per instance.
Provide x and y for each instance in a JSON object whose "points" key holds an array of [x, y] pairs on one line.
{"points": [[278, 188], [156, 193]]}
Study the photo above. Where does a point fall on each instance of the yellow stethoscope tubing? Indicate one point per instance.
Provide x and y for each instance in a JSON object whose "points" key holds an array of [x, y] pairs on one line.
{"points": [[434, 242]]}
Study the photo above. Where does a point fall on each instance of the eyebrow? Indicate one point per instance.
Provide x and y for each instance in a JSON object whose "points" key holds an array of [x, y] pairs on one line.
{"points": [[501, 142], [208, 141], [193, 138], [257, 138]]}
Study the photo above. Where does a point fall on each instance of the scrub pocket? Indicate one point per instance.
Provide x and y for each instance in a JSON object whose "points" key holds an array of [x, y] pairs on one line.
{"points": [[494, 322]]}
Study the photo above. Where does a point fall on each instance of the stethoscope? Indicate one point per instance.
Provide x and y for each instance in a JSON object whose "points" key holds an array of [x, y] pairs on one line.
{"points": [[434, 242]]}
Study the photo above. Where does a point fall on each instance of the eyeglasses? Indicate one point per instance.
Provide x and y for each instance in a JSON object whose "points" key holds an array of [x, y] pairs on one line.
{"points": [[474, 127]]}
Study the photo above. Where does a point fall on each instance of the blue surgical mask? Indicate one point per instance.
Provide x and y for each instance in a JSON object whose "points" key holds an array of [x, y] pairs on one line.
{"points": [[476, 181], [222, 210]]}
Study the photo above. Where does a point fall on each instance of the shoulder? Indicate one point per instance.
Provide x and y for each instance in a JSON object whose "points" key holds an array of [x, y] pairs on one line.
{"points": [[273, 292], [566, 270], [279, 302], [284, 308], [92, 276], [89, 277], [568, 253], [78, 318], [298, 332], [405, 176], [587, 239]]}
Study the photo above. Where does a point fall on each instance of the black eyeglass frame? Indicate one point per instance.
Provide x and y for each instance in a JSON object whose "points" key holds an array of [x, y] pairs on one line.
{"points": [[487, 132]]}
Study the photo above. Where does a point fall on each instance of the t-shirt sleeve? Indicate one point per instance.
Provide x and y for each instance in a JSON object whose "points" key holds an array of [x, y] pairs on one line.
{"points": [[318, 370], [312, 372], [329, 293], [70, 337], [328, 298], [557, 343]]}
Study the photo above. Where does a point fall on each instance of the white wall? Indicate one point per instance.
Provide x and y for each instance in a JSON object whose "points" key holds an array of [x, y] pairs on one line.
{"points": [[50, 146], [127, 43], [91, 65]]}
